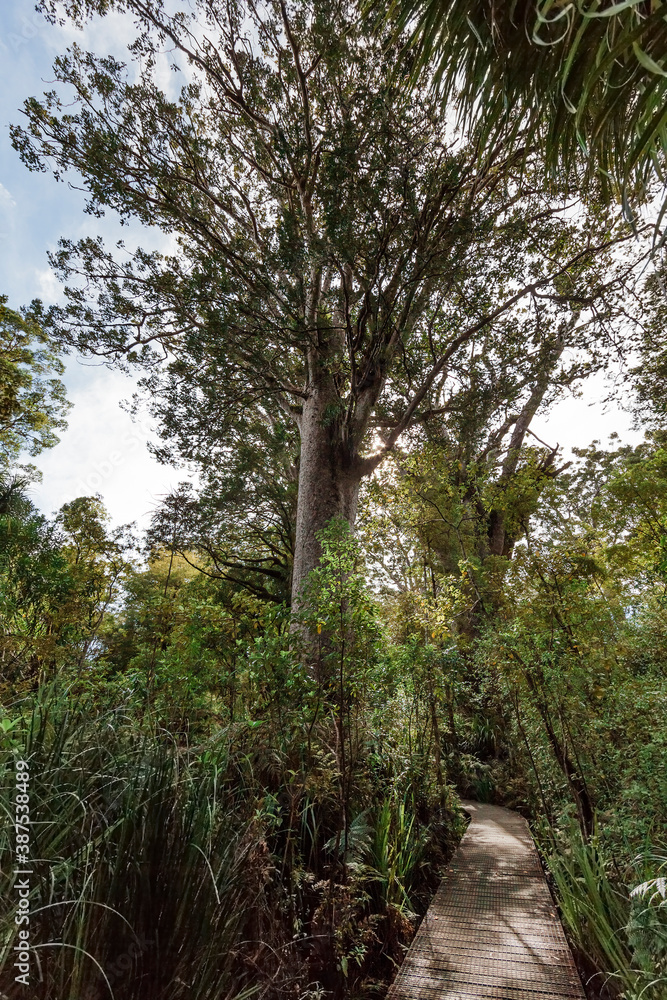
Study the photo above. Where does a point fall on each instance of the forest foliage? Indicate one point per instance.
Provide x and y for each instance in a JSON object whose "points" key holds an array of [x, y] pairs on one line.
{"points": [[249, 728]]}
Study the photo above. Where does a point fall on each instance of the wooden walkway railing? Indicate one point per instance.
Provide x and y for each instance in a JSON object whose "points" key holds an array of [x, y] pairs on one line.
{"points": [[492, 930]]}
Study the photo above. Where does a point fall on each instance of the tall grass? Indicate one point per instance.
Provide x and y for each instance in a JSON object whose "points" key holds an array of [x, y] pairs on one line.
{"points": [[147, 869], [620, 934], [594, 910], [214, 871]]}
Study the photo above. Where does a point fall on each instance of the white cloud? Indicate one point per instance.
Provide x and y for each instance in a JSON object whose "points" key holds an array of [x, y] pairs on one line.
{"points": [[104, 451], [574, 422], [6, 199], [50, 288], [7, 214]]}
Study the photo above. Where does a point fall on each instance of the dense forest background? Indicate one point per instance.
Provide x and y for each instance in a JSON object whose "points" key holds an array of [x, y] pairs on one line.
{"points": [[248, 729]]}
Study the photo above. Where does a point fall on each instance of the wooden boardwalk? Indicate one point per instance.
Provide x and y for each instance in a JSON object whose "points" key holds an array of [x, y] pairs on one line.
{"points": [[492, 929]]}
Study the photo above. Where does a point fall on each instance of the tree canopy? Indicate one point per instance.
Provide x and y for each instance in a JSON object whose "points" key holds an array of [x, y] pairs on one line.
{"points": [[337, 247], [33, 404]]}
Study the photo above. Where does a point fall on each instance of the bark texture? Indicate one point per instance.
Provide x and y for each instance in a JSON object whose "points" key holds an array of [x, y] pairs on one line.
{"points": [[329, 479]]}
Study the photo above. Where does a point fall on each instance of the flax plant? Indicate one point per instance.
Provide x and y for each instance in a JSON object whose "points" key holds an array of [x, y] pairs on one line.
{"points": [[145, 864], [619, 931]]}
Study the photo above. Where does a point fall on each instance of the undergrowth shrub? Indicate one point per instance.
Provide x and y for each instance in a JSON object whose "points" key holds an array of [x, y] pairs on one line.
{"points": [[217, 868], [619, 932]]}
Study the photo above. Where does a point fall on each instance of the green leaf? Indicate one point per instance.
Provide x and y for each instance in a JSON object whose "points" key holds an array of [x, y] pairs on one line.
{"points": [[644, 58]]}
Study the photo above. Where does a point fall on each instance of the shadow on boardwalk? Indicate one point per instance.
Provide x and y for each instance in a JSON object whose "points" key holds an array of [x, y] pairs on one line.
{"points": [[492, 930]]}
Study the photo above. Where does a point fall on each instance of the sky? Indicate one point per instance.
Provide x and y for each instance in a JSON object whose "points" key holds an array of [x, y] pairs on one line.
{"points": [[103, 450]]}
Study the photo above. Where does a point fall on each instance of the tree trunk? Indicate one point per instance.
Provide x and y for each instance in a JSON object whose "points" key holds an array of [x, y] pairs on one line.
{"points": [[329, 481]]}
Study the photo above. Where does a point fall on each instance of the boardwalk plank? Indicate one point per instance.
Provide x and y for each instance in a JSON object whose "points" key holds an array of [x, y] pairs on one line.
{"points": [[492, 930]]}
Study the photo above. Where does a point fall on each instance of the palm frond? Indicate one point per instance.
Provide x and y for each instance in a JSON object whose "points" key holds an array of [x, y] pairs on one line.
{"points": [[587, 80]]}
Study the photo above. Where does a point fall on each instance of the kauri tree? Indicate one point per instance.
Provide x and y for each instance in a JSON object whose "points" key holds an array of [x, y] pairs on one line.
{"points": [[335, 248]]}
